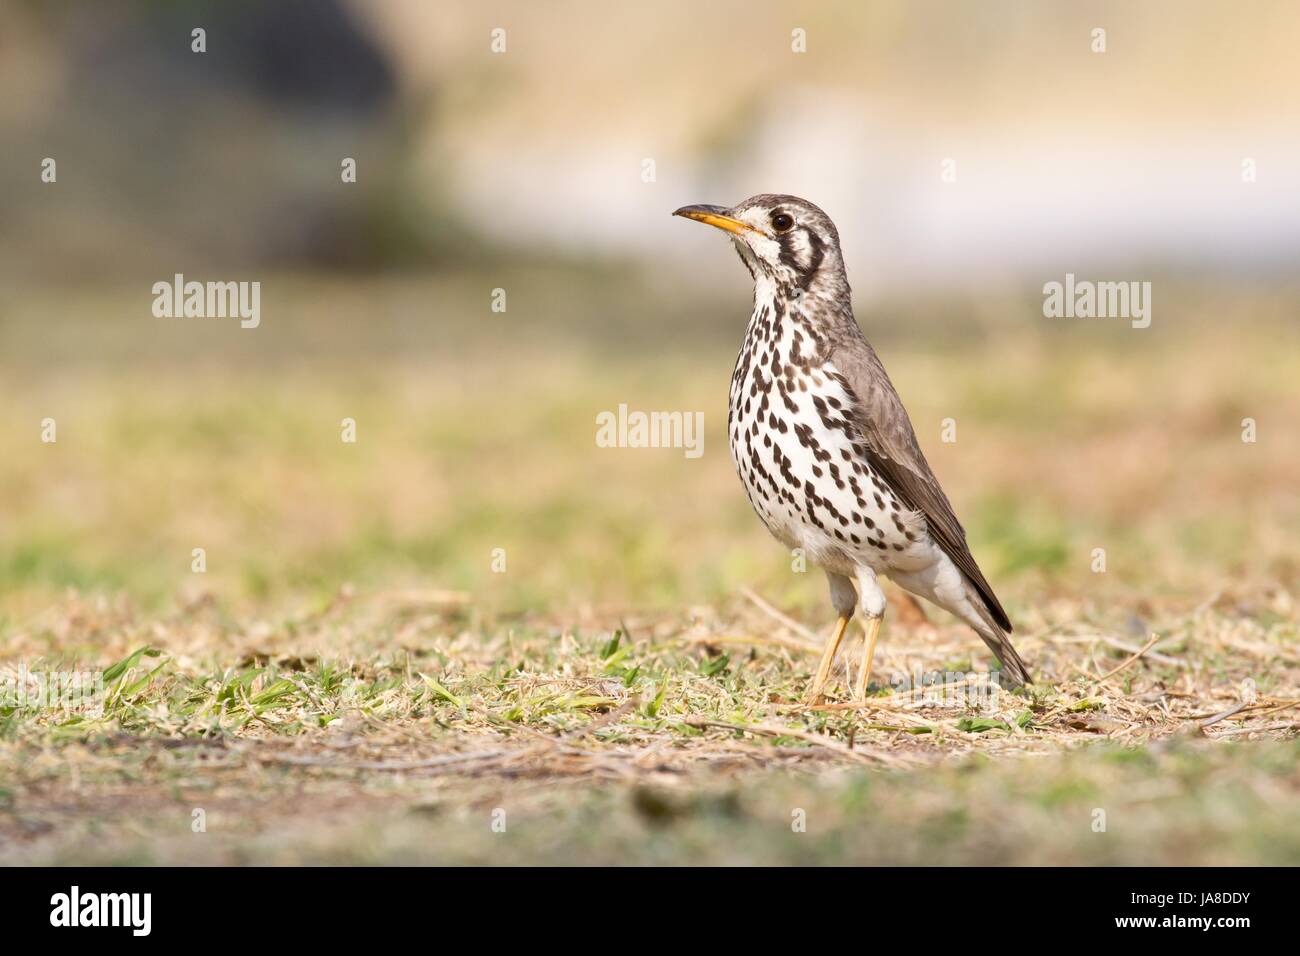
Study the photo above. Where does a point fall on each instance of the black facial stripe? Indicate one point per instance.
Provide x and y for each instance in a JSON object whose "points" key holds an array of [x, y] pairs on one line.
{"points": [[815, 263], [787, 251], [817, 253]]}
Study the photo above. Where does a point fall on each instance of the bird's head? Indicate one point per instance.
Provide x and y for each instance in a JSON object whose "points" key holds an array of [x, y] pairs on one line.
{"points": [[785, 239]]}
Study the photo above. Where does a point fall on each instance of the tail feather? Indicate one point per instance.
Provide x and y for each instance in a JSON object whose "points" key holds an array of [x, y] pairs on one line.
{"points": [[968, 604], [1015, 673], [1014, 670]]}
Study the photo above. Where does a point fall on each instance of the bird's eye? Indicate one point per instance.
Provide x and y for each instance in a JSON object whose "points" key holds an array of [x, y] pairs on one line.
{"points": [[782, 221]]}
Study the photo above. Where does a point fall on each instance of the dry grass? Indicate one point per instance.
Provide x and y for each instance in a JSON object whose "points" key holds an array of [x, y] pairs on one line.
{"points": [[367, 714], [351, 681]]}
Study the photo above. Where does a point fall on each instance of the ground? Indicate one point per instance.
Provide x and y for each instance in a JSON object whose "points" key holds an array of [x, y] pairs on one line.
{"points": [[475, 636]]}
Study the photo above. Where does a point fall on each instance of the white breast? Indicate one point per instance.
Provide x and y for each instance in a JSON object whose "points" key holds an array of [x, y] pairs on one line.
{"points": [[801, 462]]}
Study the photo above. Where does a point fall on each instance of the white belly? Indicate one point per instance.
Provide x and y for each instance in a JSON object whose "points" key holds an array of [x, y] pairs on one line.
{"points": [[806, 479]]}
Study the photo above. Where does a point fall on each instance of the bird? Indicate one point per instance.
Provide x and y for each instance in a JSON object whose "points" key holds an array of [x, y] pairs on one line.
{"points": [[825, 449]]}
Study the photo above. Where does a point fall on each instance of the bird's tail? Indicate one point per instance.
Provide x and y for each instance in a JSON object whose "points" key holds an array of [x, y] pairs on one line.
{"points": [[1014, 671]]}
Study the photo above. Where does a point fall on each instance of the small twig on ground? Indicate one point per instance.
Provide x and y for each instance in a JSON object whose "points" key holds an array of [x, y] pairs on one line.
{"points": [[784, 619], [1154, 655], [1145, 647], [1281, 705], [1208, 603], [1265, 708], [1251, 730], [766, 730], [1225, 714]]}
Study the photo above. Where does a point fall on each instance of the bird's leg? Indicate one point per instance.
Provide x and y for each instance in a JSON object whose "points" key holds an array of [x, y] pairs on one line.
{"points": [[828, 657], [872, 627]]}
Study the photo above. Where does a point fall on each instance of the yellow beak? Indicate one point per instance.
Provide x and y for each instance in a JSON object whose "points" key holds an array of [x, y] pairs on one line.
{"points": [[715, 216]]}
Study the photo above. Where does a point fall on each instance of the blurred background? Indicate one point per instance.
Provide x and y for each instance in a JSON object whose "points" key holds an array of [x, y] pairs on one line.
{"points": [[969, 153]]}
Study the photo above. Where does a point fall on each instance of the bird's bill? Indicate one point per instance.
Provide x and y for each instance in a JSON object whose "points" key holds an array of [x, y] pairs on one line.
{"points": [[715, 216]]}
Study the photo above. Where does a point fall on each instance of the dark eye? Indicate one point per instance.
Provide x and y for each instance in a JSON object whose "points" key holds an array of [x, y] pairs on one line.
{"points": [[782, 221]]}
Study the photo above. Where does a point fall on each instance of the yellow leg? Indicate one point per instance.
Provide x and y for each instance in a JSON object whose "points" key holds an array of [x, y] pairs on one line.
{"points": [[828, 657], [872, 625]]}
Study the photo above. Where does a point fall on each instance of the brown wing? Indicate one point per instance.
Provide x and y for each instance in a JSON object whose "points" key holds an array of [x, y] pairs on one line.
{"points": [[893, 452]]}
